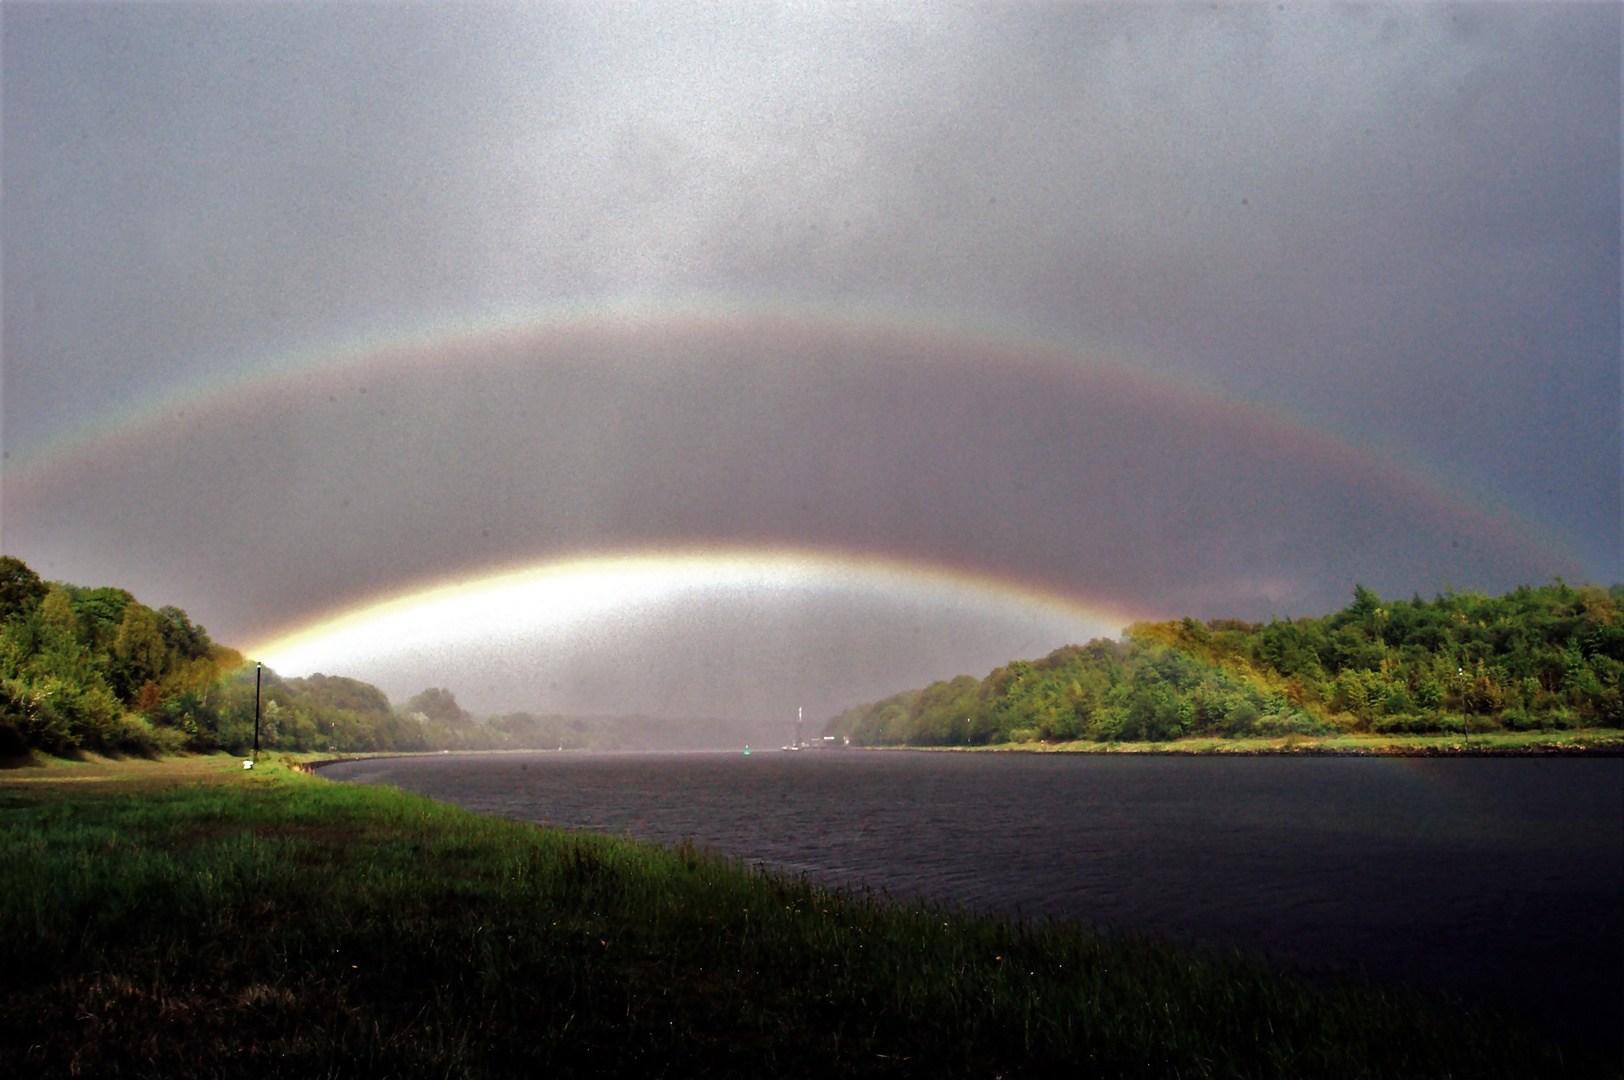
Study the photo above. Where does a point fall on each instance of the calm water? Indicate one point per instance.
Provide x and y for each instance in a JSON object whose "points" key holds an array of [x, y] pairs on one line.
{"points": [[1499, 880]]}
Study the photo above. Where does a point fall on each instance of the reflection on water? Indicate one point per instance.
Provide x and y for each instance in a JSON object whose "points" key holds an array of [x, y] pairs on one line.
{"points": [[1500, 880]]}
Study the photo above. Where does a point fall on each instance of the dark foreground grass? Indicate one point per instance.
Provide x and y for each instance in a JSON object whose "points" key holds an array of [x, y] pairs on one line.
{"points": [[281, 925]]}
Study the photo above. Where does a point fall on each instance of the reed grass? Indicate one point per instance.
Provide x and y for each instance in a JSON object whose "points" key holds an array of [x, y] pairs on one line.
{"points": [[274, 924]]}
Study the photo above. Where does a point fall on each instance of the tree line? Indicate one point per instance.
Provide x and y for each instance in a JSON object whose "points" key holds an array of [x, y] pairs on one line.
{"points": [[95, 669], [1534, 658]]}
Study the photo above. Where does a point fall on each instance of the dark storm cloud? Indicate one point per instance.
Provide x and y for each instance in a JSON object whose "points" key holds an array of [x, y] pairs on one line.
{"points": [[1397, 224]]}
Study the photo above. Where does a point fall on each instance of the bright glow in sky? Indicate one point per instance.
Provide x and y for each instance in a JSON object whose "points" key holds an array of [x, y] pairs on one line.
{"points": [[559, 636]]}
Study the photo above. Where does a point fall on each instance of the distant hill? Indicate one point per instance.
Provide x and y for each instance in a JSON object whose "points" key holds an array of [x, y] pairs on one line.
{"points": [[1550, 657], [624, 732]]}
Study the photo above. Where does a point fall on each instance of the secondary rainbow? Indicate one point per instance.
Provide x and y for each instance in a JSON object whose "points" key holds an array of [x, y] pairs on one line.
{"points": [[742, 322], [424, 343]]}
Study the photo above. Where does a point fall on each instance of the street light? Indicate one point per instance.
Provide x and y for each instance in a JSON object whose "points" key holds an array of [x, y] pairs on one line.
{"points": [[258, 667]]}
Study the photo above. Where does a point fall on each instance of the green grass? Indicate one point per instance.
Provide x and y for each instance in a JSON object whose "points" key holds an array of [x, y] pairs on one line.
{"points": [[274, 924]]}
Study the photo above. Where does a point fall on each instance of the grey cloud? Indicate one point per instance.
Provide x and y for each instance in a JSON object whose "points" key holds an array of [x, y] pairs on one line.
{"points": [[335, 485], [1398, 224]]}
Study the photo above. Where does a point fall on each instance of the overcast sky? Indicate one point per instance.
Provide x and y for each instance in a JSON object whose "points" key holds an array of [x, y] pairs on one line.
{"points": [[1322, 294]]}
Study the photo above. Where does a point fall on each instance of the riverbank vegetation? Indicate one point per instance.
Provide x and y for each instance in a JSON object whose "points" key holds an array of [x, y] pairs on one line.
{"points": [[186, 919], [1545, 659], [1580, 742], [95, 670]]}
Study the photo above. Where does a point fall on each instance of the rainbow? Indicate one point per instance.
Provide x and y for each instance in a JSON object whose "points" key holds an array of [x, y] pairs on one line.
{"points": [[426, 343], [491, 339], [423, 343], [557, 595]]}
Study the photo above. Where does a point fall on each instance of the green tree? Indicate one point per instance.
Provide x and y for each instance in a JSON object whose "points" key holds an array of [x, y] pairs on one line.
{"points": [[139, 655], [56, 612], [439, 704], [180, 636], [20, 588]]}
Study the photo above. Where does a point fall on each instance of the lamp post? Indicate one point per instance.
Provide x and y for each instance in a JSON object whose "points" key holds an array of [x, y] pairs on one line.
{"points": [[258, 668]]}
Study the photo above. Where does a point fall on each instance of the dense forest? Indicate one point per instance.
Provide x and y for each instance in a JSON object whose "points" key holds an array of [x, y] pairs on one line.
{"points": [[1543, 658], [95, 669]]}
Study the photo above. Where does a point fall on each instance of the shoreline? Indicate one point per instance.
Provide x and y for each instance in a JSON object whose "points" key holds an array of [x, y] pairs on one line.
{"points": [[1613, 748], [1605, 743], [1589, 743]]}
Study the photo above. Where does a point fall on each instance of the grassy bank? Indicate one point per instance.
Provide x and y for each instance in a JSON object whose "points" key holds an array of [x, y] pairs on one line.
{"points": [[1600, 741], [186, 919]]}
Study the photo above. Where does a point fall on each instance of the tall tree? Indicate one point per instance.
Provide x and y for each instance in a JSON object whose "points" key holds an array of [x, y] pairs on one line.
{"points": [[20, 588]]}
